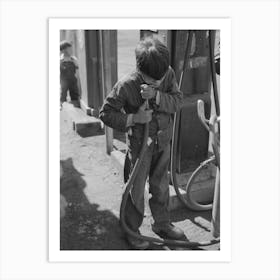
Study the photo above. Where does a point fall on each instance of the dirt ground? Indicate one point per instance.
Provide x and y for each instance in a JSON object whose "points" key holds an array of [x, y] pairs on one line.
{"points": [[91, 189]]}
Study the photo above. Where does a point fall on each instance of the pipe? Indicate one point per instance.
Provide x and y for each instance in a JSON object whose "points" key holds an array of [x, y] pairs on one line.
{"points": [[188, 201], [215, 221], [213, 70]]}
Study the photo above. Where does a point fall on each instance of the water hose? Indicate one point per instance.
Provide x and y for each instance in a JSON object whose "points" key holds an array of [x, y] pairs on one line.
{"points": [[194, 205], [129, 186]]}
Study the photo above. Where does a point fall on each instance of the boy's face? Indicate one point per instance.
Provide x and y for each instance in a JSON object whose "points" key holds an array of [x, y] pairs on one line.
{"points": [[68, 51], [151, 81]]}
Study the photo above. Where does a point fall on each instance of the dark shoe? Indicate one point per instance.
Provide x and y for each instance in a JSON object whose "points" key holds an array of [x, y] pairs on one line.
{"points": [[136, 243], [168, 230]]}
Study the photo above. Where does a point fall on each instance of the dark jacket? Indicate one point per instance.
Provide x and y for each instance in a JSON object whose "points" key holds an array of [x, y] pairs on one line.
{"points": [[125, 98]]}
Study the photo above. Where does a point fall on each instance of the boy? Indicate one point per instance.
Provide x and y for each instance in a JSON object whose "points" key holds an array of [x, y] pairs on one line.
{"points": [[68, 73], [154, 80]]}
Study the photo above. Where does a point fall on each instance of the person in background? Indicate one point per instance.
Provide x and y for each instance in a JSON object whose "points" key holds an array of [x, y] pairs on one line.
{"points": [[124, 110], [68, 74]]}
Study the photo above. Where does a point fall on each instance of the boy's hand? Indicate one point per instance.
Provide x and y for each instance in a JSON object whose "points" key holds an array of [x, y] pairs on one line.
{"points": [[147, 92], [143, 116]]}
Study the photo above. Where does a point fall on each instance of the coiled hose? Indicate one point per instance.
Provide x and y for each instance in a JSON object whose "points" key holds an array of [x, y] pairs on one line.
{"points": [[129, 186]]}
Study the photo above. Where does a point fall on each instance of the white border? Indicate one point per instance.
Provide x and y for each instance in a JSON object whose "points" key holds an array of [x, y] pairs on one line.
{"points": [[55, 255]]}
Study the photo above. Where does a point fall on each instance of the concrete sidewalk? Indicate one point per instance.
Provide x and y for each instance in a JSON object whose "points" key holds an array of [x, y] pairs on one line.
{"points": [[91, 188]]}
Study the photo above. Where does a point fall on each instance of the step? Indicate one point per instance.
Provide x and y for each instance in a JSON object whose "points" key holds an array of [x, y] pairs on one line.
{"points": [[83, 124]]}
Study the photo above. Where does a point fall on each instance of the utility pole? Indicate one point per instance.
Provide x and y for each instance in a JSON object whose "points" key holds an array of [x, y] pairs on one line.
{"points": [[106, 73]]}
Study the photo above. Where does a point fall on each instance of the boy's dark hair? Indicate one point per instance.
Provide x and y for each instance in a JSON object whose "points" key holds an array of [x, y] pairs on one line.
{"points": [[152, 57], [64, 45]]}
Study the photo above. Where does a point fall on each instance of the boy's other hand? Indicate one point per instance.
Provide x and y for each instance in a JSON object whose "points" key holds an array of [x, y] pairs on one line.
{"points": [[147, 92], [143, 116]]}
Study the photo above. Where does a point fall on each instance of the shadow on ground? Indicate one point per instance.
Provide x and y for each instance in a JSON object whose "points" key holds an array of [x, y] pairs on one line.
{"points": [[89, 130], [85, 226]]}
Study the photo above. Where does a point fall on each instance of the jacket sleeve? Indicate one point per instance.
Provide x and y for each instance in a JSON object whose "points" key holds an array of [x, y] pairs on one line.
{"points": [[111, 112], [171, 101]]}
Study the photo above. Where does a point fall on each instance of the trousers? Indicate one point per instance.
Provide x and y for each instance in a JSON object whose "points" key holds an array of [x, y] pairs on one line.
{"points": [[72, 86], [153, 168]]}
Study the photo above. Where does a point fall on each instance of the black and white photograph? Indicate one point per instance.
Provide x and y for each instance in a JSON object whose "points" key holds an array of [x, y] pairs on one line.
{"points": [[139, 139], [139, 134]]}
